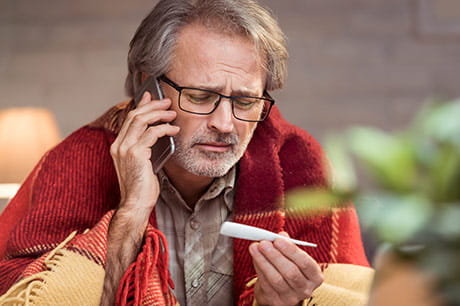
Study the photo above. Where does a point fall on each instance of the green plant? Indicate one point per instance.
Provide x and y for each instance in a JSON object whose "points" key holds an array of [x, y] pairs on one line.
{"points": [[413, 199]]}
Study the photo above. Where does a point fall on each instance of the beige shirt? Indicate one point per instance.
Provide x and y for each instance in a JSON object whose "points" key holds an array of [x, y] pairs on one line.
{"points": [[200, 259]]}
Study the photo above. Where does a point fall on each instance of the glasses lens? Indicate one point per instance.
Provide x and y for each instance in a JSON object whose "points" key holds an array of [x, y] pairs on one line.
{"points": [[198, 101], [251, 109]]}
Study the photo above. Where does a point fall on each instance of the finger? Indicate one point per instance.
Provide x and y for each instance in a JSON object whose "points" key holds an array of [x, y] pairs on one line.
{"points": [[264, 293], [304, 262], [266, 267], [262, 284], [142, 148], [146, 97], [140, 124], [262, 279], [153, 133], [268, 293], [288, 270], [142, 121], [284, 234], [149, 106]]}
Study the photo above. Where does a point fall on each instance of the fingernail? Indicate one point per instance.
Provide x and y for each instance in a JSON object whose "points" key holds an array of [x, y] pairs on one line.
{"points": [[281, 243], [266, 246], [283, 233], [253, 248], [143, 99]]}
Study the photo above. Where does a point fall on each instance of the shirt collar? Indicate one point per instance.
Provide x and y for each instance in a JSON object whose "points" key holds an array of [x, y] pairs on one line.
{"points": [[221, 184]]}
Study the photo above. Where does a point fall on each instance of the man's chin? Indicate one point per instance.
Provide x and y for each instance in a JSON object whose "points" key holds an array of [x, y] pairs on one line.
{"points": [[205, 163], [207, 167], [208, 171]]}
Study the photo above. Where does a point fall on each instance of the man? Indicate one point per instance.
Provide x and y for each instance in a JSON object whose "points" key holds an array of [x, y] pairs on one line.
{"points": [[216, 62]]}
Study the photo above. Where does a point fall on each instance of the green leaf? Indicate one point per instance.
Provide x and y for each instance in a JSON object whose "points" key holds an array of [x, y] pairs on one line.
{"points": [[342, 171], [315, 199], [445, 174], [393, 217], [440, 121], [390, 159], [447, 222]]}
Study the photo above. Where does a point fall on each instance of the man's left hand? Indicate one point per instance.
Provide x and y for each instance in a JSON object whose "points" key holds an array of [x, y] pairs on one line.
{"points": [[286, 274]]}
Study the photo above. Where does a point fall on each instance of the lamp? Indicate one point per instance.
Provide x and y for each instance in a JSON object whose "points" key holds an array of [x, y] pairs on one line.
{"points": [[26, 133]]}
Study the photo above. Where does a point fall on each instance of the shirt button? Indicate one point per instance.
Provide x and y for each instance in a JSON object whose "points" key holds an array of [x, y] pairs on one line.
{"points": [[195, 283], [194, 224]]}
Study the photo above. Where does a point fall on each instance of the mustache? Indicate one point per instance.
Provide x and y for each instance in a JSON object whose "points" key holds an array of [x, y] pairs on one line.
{"points": [[227, 138]]}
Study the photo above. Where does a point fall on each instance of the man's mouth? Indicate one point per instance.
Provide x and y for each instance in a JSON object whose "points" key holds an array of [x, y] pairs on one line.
{"points": [[214, 146]]}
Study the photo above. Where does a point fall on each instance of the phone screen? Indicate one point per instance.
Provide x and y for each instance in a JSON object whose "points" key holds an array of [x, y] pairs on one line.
{"points": [[164, 147]]}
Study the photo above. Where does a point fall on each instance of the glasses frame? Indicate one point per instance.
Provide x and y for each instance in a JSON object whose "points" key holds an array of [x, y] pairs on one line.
{"points": [[179, 89]]}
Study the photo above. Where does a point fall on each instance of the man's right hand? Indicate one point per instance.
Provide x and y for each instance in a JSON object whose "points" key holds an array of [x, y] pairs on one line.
{"points": [[139, 186], [131, 151]]}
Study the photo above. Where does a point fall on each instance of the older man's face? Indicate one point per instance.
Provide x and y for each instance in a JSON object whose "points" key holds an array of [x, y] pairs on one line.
{"points": [[209, 145]]}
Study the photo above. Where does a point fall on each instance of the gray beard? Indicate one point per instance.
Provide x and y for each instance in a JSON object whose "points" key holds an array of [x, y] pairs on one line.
{"points": [[205, 163]]}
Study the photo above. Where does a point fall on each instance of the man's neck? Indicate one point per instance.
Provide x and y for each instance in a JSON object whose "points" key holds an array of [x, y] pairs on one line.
{"points": [[190, 186]]}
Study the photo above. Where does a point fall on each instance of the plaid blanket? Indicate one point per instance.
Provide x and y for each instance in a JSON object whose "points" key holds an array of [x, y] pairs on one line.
{"points": [[75, 185]]}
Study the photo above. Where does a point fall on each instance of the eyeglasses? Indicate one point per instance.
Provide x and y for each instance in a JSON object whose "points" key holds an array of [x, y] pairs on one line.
{"points": [[204, 102]]}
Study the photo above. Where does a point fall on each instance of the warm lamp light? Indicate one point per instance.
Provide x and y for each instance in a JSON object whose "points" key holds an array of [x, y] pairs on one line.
{"points": [[25, 135]]}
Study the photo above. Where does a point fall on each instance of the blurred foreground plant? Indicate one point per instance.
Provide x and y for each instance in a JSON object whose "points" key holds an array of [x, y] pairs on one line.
{"points": [[414, 199]]}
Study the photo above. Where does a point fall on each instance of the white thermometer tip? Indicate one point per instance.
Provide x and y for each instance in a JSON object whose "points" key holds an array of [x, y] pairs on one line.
{"points": [[242, 231]]}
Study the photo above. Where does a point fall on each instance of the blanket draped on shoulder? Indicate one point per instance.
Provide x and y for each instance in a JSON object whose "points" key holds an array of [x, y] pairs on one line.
{"points": [[74, 187]]}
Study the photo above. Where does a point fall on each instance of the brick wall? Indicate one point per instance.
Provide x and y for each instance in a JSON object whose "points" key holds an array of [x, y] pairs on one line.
{"points": [[351, 62]]}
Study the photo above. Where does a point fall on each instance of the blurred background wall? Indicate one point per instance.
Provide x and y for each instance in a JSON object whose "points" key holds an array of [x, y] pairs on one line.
{"points": [[351, 62]]}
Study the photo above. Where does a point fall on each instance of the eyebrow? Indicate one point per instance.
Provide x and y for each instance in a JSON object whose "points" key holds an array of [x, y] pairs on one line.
{"points": [[218, 89]]}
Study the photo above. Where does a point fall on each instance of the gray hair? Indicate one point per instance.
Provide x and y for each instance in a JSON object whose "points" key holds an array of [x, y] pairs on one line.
{"points": [[152, 47]]}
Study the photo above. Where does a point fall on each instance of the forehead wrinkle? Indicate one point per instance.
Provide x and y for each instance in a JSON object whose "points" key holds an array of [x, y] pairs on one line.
{"points": [[232, 69], [207, 75], [209, 81]]}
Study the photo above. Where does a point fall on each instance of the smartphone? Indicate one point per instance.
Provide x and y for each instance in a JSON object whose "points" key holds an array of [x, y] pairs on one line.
{"points": [[164, 147]]}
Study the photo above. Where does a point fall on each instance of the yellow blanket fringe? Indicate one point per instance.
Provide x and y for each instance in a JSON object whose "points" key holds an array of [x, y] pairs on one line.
{"points": [[72, 279], [68, 279]]}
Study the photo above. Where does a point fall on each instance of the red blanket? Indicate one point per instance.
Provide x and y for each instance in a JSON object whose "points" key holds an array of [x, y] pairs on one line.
{"points": [[75, 184]]}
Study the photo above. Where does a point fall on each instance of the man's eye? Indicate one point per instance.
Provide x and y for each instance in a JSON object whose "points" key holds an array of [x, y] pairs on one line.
{"points": [[244, 103], [200, 98]]}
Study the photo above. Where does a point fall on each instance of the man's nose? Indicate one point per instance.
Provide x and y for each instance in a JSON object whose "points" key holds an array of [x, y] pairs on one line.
{"points": [[222, 118]]}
